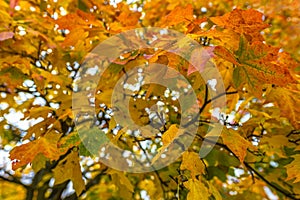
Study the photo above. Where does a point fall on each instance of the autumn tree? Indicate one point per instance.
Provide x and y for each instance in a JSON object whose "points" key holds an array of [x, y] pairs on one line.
{"points": [[58, 112]]}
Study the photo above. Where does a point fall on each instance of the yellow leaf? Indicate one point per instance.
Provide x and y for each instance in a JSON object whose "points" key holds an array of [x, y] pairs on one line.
{"points": [[167, 138], [197, 190], [236, 143], [122, 179], [149, 186], [288, 101], [36, 112], [170, 134], [293, 169], [191, 161], [214, 191], [69, 168], [11, 191], [276, 144]]}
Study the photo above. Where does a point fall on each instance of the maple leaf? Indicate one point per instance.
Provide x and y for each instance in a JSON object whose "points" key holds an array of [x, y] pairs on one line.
{"points": [[242, 21], [45, 145], [74, 38], [191, 161], [258, 66], [201, 57], [77, 20], [12, 5], [287, 99], [225, 54], [179, 15], [39, 162], [197, 190], [36, 112], [236, 143], [275, 144], [170, 134], [121, 180], [128, 17], [293, 169], [69, 169], [42, 45], [69, 141], [167, 138]]}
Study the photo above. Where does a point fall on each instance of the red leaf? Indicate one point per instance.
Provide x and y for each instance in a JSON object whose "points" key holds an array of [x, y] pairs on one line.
{"points": [[6, 35], [201, 57], [12, 5]]}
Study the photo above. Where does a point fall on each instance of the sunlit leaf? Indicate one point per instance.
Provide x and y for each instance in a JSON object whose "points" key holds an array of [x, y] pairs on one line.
{"points": [[236, 143], [69, 169], [191, 161], [178, 15], [44, 145], [293, 169], [197, 190]]}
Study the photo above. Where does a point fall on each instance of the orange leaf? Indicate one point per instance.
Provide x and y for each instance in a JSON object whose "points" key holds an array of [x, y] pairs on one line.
{"points": [[225, 54], [24, 154], [259, 66], [74, 37], [76, 20], [179, 15], [128, 17], [241, 21]]}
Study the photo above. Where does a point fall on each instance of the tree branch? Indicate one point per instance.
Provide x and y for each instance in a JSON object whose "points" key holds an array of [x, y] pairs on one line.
{"points": [[286, 193]]}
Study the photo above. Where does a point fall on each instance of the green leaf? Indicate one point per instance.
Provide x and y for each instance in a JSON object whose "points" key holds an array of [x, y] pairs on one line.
{"points": [[92, 140], [236, 78], [39, 162]]}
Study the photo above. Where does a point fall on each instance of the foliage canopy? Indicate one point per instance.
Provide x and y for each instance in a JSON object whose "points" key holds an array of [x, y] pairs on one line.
{"points": [[255, 46]]}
